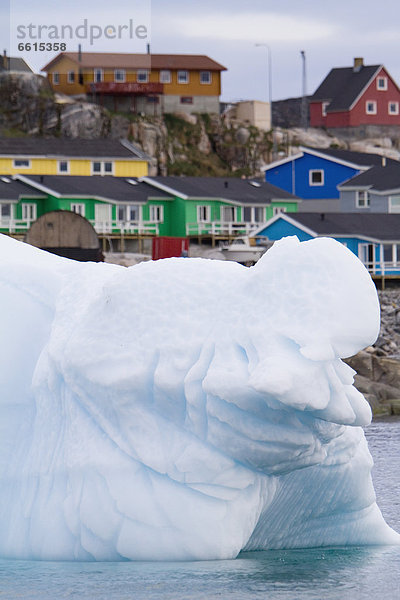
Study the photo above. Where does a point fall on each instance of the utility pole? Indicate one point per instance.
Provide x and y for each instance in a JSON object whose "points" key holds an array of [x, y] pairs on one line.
{"points": [[304, 107]]}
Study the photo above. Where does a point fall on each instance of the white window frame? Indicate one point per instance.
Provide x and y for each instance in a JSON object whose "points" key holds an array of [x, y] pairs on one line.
{"points": [[310, 177], [78, 208], [156, 213], [209, 73], [373, 110], [98, 75], [253, 210], [71, 77], [6, 218], [142, 76], [384, 87], [102, 167], [165, 76], [55, 77], [27, 160], [362, 199], [119, 75], [391, 208], [183, 76], [276, 210], [324, 107], [127, 216], [59, 171], [29, 211], [203, 213], [396, 107], [235, 212]]}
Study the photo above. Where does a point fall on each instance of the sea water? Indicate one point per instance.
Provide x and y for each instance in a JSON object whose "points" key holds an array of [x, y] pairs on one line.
{"points": [[318, 573]]}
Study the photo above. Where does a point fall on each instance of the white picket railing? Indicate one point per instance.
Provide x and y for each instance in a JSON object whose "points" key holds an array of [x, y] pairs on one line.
{"points": [[220, 228], [101, 227]]}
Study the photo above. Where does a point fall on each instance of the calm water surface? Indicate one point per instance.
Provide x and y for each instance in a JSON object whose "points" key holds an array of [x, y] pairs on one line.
{"points": [[323, 574]]}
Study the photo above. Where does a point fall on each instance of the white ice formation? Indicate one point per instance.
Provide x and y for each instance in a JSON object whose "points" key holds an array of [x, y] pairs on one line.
{"points": [[184, 408]]}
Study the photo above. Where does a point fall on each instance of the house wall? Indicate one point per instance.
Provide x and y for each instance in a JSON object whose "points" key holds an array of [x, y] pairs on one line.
{"points": [[378, 203], [47, 166], [294, 177], [281, 228], [192, 88], [317, 119]]}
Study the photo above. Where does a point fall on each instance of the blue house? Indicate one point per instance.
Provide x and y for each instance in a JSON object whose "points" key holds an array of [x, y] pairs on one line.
{"points": [[314, 174], [374, 238]]}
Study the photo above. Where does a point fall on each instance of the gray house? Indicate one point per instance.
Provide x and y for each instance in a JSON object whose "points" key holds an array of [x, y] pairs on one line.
{"points": [[374, 191]]}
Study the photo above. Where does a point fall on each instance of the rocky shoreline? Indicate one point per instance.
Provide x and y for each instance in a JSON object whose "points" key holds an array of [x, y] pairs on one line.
{"points": [[378, 367]]}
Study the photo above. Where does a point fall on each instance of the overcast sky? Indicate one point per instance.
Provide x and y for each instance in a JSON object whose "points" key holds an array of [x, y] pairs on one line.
{"points": [[330, 33]]}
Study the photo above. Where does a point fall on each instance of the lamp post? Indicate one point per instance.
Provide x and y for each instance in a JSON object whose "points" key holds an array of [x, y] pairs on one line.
{"points": [[304, 116], [269, 61]]}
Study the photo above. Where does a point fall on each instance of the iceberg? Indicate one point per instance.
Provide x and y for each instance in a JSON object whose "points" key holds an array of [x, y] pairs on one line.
{"points": [[184, 409]]}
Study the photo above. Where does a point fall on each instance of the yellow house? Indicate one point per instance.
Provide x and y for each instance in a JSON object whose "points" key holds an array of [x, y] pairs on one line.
{"points": [[64, 156], [142, 83]]}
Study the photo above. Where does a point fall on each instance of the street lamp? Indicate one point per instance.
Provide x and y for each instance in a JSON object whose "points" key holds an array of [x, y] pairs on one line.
{"points": [[268, 49]]}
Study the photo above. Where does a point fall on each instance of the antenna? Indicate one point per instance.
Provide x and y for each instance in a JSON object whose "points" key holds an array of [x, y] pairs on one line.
{"points": [[304, 115]]}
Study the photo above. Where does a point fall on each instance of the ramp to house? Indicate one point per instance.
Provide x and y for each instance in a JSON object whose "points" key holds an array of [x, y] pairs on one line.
{"points": [[65, 233]]}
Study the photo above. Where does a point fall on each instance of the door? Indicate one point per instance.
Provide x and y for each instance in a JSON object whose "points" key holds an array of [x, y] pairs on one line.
{"points": [[366, 253], [102, 216]]}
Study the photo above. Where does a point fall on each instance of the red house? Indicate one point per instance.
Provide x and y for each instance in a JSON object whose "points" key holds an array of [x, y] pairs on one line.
{"points": [[354, 96]]}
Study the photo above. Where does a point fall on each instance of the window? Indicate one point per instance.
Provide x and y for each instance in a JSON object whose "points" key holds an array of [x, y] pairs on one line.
{"points": [[203, 214], [228, 214], [5, 212], [71, 77], [28, 212], [63, 166], [56, 78], [142, 76], [276, 210], [119, 75], [362, 199], [253, 214], [381, 83], [183, 76], [324, 107], [370, 107], [97, 75], [156, 213], [78, 207], [186, 100], [21, 163], [128, 213], [316, 177], [152, 99], [393, 108], [366, 253], [394, 204], [102, 168], [165, 76], [205, 77]]}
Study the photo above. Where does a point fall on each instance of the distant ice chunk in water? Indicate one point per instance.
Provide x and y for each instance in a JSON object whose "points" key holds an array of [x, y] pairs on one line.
{"points": [[184, 409]]}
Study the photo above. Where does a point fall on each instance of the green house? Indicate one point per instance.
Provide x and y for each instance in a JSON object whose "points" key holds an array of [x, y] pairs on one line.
{"points": [[125, 210], [220, 207]]}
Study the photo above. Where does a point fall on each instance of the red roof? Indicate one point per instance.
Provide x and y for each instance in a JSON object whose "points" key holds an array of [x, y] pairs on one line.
{"points": [[106, 60]]}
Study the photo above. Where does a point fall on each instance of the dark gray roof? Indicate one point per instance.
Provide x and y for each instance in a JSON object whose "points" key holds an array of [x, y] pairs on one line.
{"points": [[380, 226], [379, 178], [363, 159], [246, 191], [13, 190], [116, 189], [67, 147], [343, 85], [14, 64]]}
